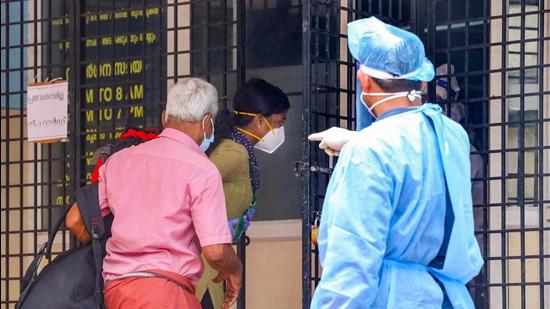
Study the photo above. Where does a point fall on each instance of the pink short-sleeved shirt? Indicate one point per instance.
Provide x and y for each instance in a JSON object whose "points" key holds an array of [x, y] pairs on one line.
{"points": [[167, 200]]}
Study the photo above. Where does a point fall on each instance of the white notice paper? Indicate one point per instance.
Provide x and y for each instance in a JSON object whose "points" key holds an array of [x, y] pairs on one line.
{"points": [[47, 105]]}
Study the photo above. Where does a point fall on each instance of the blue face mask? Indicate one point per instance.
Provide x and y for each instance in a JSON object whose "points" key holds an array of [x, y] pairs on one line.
{"points": [[363, 117], [207, 141]]}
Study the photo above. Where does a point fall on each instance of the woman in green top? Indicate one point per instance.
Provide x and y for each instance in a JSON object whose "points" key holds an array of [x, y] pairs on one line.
{"points": [[259, 113]]}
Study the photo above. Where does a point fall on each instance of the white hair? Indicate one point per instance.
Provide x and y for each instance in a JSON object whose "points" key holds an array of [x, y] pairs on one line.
{"points": [[190, 99]]}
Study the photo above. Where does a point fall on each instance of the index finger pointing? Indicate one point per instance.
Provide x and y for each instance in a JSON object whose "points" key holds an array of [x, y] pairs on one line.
{"points": [[316, 137]]}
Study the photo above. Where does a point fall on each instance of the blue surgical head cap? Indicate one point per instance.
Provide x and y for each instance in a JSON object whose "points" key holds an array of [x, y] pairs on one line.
{"points": [[380, 47]]}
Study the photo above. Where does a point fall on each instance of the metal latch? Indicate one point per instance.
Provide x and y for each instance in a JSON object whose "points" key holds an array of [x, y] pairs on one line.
{"points": [[300, 167]]}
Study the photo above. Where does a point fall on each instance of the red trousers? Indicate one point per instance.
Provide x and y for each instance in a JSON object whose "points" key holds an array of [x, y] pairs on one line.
{"points": [[151, 292]]}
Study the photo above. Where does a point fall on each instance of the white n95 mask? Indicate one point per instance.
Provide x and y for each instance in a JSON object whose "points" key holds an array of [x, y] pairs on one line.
{"points": [[272, 140]]}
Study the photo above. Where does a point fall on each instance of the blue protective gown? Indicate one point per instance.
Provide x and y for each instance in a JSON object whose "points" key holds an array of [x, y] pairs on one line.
{"points": [[397, 214]]}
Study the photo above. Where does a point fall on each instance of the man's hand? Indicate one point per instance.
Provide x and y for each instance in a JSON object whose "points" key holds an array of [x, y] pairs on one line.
{"points": [[232, 287], [332, 140], [222, 258]]}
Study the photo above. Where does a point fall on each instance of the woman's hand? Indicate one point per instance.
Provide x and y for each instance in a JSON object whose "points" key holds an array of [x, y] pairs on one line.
{"points": [[249, 216], [233, 223]]}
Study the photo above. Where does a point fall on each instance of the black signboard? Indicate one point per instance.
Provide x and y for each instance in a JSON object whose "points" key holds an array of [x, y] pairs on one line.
{"points": [[122, 80], [123, 69]]}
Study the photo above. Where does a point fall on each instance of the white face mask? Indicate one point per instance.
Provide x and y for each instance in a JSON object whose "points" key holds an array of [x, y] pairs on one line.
{"points": [[272, 140], [411, 95]]}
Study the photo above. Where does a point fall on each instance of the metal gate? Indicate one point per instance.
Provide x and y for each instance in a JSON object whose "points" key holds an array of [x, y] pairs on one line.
{"points": [[501, 58], [500, 50], [120, 57]]}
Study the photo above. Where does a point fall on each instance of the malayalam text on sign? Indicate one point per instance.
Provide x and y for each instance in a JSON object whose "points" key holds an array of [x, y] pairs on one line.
{"points": [[47, 117]]}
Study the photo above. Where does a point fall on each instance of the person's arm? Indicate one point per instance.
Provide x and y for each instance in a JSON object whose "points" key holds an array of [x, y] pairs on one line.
{"points": [[222, 258], [74, 220], [76, 225], [332, 140], [210, 222], [353, 232]]}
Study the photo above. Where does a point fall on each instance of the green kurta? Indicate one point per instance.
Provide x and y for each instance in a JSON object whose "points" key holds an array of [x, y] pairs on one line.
{"points": [[231, 159]]}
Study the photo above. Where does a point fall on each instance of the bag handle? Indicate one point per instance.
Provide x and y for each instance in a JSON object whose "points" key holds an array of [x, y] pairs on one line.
{"points": [[53, 231], [30, 274], [44, 251]]}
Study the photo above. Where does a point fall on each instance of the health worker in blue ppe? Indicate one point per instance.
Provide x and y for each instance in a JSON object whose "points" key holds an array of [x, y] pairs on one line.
{"points": [[396, 229]]}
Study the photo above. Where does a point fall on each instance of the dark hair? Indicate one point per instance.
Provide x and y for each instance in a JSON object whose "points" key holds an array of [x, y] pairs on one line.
{"points": [[398, 85], [256, 97]]}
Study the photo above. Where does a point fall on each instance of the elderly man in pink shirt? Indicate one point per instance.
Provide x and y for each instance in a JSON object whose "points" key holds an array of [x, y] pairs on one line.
{"points": [[168, 204]]}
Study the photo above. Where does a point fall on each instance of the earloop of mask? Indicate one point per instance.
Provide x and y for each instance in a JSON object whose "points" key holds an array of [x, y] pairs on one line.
{"points": [[244, 113], [248, 133], [254, 115], [268, 124], [411, 95]]}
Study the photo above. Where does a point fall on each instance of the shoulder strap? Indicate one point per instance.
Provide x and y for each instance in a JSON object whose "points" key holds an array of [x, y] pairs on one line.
{"points": [[97, 248], [88, 203]]}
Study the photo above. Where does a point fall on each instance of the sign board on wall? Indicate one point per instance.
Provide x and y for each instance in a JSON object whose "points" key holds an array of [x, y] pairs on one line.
{"points": [[47, 117]]}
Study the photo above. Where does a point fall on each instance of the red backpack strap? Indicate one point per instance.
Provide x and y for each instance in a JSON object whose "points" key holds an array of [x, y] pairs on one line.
{"points": [[144, 135], [95, 173]]}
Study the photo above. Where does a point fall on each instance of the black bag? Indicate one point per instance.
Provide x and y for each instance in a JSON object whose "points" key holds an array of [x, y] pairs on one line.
{"points": [[73, 279]]}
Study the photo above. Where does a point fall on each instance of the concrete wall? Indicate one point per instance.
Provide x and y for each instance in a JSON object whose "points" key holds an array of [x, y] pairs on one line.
{"points": [[274, 265]]}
